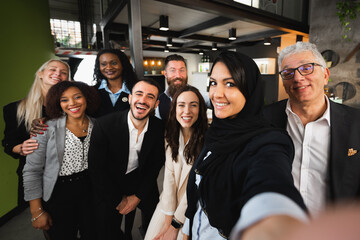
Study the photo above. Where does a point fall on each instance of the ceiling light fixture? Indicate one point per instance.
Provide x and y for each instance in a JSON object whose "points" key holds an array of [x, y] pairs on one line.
{"points": [[214, 47], [166, 49], [164, 23], [201, 52], [232, 34], [267, 41], [169, 42]]}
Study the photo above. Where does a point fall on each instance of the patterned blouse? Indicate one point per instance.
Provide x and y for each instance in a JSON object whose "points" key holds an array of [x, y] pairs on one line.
{"points": [[76, 153]]}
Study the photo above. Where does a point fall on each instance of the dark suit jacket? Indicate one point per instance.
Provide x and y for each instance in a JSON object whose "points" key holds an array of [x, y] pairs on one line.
{"points": [[14, 134], [344, 170], [108, 160], [106, 106]]}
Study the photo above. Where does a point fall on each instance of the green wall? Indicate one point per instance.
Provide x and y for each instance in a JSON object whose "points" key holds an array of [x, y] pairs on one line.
{"points": [[26, 43]]}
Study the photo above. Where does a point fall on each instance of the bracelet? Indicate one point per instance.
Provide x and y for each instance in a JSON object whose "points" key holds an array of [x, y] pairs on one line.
{"points": [[35, 218], [176, 224], [39, 209], [20, 152]]}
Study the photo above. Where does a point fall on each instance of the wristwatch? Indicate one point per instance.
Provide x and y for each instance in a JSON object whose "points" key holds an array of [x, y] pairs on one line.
{"points": [[176, 224]]}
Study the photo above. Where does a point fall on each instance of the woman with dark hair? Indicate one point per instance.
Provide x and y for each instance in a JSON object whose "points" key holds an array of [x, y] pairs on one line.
{"points": [[184, 134], [243, 174], [115, 79], [55, 175]]}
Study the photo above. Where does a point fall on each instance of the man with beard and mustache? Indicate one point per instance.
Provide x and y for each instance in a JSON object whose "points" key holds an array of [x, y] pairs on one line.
{"points": [[176, 77], [125, 156]]}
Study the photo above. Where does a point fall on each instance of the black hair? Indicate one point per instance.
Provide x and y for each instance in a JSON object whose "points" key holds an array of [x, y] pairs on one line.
{"points": [[53, 108], [128, 74], [151, 82], [235, 66], [174, 57]]}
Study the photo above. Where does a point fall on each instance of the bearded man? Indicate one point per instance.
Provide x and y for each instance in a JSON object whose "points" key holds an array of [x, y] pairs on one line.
{"points": [[176, 77]]}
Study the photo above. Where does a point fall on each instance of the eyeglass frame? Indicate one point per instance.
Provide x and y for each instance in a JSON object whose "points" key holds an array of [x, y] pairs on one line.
{"points": [[297, 69]]}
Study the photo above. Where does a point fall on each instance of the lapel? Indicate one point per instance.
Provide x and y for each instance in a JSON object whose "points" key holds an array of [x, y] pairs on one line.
{"points": [[276, 114], [339, 130], [183, 168], [121, 147], [184, 174], [147, 143], [281, 116], [60, 138]]}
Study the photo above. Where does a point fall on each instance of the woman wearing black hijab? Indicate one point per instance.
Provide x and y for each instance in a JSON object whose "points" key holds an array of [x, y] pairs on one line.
{"points": [[243, 175]]}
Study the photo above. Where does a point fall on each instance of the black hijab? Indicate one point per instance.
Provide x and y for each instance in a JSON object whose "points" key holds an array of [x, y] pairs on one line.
{"points": [[226, 138], [226, 135]]}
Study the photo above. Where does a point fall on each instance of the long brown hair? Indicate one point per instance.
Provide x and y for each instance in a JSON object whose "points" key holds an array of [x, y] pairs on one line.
{"points": [[173, 128]]}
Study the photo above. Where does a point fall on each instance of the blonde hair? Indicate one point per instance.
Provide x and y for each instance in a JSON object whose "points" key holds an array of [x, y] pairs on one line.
{"points": [[30, 107]]}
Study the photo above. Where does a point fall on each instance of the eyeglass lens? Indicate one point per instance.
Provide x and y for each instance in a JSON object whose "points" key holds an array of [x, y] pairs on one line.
{"points": [[304, 70]]}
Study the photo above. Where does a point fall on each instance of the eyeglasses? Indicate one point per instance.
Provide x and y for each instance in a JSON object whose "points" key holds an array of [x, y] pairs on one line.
{"points": [[305, 69]]}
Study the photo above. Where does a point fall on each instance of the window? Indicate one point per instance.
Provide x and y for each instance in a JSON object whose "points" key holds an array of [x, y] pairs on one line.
{"points": [[66, 33]]}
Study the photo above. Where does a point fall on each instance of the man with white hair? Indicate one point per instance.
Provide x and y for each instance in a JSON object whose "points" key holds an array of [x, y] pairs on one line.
{"points": [[326, 135]]}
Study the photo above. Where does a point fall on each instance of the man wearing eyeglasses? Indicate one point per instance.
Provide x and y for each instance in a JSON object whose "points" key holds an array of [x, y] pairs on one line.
{"points": [[326, 135]]}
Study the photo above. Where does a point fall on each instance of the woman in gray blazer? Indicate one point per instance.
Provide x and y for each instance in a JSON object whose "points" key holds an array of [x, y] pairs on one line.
{"points": [[55, 175]]}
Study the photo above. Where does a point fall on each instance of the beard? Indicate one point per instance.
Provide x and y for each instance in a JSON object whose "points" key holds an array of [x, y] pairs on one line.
{"points": [[174, 87]]}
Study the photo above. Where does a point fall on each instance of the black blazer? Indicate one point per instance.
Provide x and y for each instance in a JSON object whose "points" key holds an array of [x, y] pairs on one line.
{"points": [[264, 165], [106, 106], [108, 159], [344, 170], [14, 134]]}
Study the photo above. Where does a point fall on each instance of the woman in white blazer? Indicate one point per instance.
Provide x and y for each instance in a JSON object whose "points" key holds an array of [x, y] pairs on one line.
{"points": [[184, 134], [55, 175]]}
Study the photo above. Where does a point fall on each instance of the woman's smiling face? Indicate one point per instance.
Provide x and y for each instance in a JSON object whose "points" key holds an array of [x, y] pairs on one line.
{"points": [[225, 96], [187, 109], [73, 102]]}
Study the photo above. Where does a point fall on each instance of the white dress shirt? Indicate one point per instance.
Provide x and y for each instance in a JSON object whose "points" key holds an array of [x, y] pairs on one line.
{"points": [[135, 144], [310, 165]]}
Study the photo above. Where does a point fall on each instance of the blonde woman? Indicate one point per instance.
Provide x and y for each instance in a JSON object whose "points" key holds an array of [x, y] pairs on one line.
{"points": [[19, 115]]}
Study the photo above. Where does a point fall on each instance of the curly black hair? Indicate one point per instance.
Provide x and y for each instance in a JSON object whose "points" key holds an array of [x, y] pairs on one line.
{"points": [[128, 74], [53, 108]]}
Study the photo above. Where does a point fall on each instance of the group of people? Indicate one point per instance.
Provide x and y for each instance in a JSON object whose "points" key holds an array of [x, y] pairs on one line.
{"points": [[95, 152]]}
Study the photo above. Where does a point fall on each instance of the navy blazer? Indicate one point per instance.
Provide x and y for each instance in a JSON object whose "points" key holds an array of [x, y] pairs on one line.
{"points": [[344, 170], [109, 154]]}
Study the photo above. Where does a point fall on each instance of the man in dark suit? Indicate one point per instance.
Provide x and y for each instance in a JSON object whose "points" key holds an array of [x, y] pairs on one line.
{"points": [[125, 156], [176, 76], [326, 135]]}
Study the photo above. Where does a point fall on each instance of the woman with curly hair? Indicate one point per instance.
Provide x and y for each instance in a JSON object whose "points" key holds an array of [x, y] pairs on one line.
{"points": [[184, 134], [55, 175], [114, 78]]}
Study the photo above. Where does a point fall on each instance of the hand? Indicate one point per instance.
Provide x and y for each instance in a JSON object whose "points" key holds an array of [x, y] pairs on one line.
{"points": [[122, 204], [38, 127], [271, 228], [171, 233], [131, 203], [165, 227], [44, 222], [28, 147], [185, 237]]}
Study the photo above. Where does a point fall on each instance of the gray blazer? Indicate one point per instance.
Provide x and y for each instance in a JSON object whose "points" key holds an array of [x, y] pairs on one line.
{"points": [[43, 165]]}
